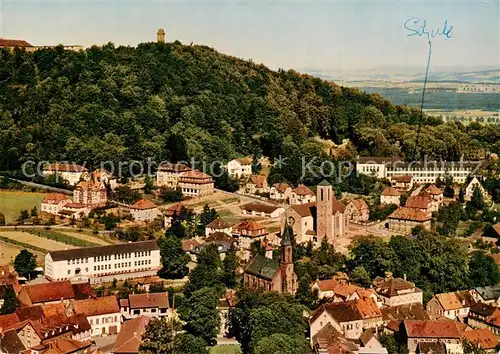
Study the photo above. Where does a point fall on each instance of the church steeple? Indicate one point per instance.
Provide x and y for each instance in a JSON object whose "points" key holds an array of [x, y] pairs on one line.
{"points": [[286, 245]]}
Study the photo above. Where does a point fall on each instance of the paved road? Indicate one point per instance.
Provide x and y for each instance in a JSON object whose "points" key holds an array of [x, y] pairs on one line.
{"points": [[42, 186]]}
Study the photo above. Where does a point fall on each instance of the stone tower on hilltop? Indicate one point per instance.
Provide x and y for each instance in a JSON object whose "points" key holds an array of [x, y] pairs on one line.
{"points": [[160, 36], [324, 211]]}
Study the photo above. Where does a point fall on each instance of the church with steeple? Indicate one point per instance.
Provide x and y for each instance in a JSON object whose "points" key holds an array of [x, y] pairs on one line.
{"points": [[264, 272]]}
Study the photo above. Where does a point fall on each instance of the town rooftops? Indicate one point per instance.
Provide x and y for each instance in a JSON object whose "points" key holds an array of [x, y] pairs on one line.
{"points": [[259, 208], [433, 190], [65, 167], [130, 337], [174, 167], [262, 267], [258, 180], [87, 252], [219, 224], [97, 306], [252, 226], [188, 245], [330, 340], [405, 312], [14, 43], [148, 300], [64, 346], [431, 329], [410, 214], [484, 338], [244, 161], [143, 204], [303, 190], [393, 286], [360, 204], [195, 177], [55, 198], [489, 292], [220, 237], [354, 310], [281, 187], [390, 192], [11, 343], [47, 292], [455, 300]]}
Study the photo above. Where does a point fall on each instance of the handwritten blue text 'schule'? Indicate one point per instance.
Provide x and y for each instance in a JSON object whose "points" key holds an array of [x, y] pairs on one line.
{"points": [[418, 28]]}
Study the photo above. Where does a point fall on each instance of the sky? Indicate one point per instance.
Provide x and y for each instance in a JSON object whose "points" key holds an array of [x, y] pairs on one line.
{"points": [[322, 35]]}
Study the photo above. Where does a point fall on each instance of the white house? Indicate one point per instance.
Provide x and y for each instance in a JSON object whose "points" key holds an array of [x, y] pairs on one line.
{"points": [[144, 210], [104, 263], [280, 191], [240, 167], [219, 225], [103, 314], [473, 184], [397, 291], [390, 196], [54, 203], [69, 172], [262, 210], [148, 304], [302, 195]]}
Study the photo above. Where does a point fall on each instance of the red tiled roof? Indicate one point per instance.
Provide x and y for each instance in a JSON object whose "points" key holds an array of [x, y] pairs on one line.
{"points": [[391, 287], [143, 204], [65, 167], [54, 198], [218, 224], [244, 160], [455, 300], [176, 209], [259, 208], [14, 43], [303, 190], [433, 190], [390, 192], [418, 202], [482, 337], [65, 346], [259, 181], [55, 291], [431, 329], [250, 225], [7, 321], [196, 177], [411, 214], [402, 178], [174, 167], [130, 337], [337, 207], [281, 187], [188, 245], [360, 204], [147, 300], [349, 311], [95, 307], [304, 209]]}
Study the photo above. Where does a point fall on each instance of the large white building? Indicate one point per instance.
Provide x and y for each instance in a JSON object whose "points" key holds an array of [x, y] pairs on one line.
{"points": [[69, 172], [240, 167], [420, 171], [104, 263]]}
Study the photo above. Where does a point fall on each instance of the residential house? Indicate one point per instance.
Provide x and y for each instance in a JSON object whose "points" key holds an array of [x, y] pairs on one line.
{"points": [[148, 304], [53, 203], [46, 293], [68, 172], [262, 210], [487, 295], [492, 234], [390, 196], [450, 305], [436, 195], [239, 167], [405, 219], [168, 174], [219, 225], [63, 346], [249, 231], [326, 218], [397, 291], [189, 245], [257, 185], [103, 314], [10, 342], [221, 240], [129, 339], [301, 195], [144, 210], [421, 202], [473, 184], [270, 275], [357, 211], [196, 184], [280, 192], [403, 183], [172, 211], [394, 315], [483, 338], [101, 175], [328, 340], [90, 193], [369, 343], [417, 332], [350, 318], [104, 263]]}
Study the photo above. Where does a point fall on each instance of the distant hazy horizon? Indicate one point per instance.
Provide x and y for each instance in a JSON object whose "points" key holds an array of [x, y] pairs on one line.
{"points": [[325, 35]]}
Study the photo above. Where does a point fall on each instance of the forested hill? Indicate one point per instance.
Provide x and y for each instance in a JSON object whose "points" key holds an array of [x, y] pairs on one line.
{"points": [[172, 101]]}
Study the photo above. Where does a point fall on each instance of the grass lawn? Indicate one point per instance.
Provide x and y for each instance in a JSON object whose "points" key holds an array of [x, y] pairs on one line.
{"points": [[226, 349], [12, 202]]}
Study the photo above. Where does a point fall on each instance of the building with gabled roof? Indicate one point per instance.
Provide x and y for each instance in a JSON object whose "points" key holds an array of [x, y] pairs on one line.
{"points": [[219, 225], [237, 168], [483, 338], [130, 337], [249, 231], [69, 172], [270, 275], [403, 183], [147, 304], [397, 291], [53, 203], [390, 195], [104, 263], [103, 314], [196, 184], [357, 211], [91, 191], [144, 210], [301, 195], [280, 192], [487, 294], [257, 185], [451, 305], [46, 293], [416, 332], [473, 184], [404, 219], [168, 174]]}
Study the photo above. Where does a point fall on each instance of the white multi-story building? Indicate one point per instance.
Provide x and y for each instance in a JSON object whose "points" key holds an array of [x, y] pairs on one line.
{"points": [[54, 203], [148, 304], [420, 171], [69, 172], [168, 174], [240, 167], [104, 263], [103, 314]]}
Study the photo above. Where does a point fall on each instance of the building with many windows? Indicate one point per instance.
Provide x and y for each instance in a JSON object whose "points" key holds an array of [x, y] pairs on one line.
{"points": [[168, 174], [104, 263], [65, 171], [196, 184]]}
